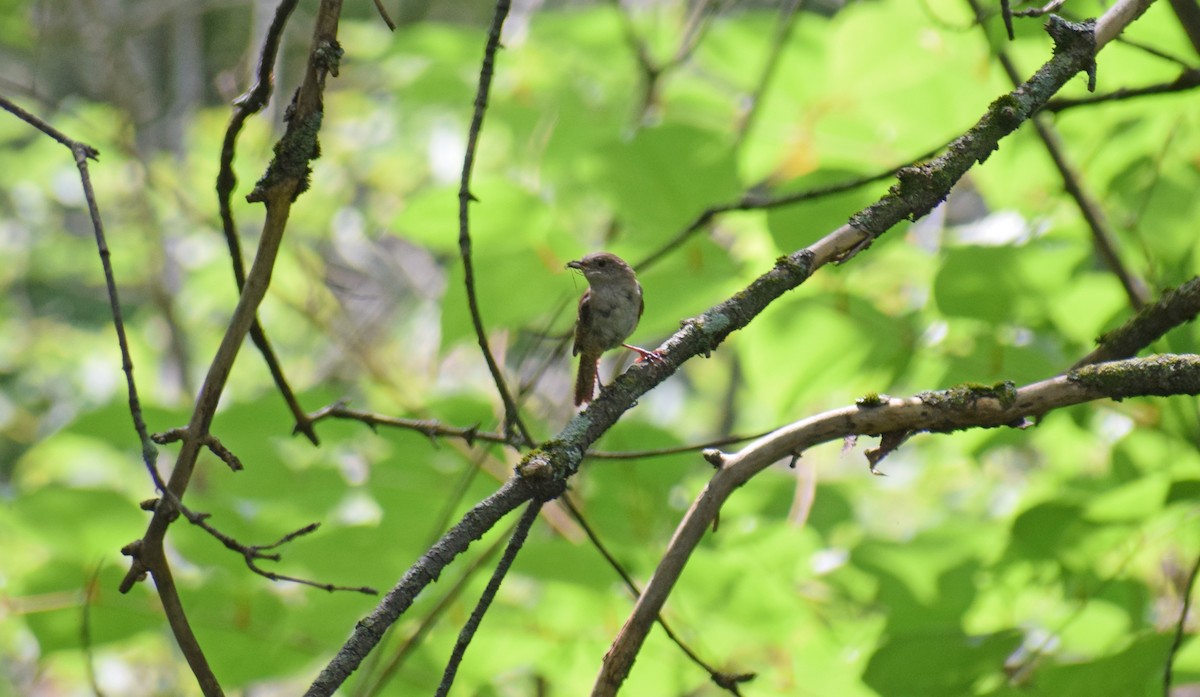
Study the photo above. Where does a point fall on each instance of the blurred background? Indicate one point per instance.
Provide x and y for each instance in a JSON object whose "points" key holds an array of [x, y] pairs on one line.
{"points": [[1047, 561]]}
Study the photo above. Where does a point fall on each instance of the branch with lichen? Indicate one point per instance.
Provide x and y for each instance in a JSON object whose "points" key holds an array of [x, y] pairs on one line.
{"points": [[943, 411]]}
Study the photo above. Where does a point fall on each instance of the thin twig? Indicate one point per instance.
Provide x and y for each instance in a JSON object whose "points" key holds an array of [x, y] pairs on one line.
{"points": [[249, 103], [384, 14], [754, 199], [1046, 9], [1189, 79], [251, 553], [185, 638], [1177, 640], [431, 428], [512, 416], [489, 594]]}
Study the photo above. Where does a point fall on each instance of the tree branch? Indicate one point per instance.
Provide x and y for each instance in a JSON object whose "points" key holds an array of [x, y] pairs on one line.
{"points": [[943, 411], [426, 570], [513, 426], [243, 107], [285, 179], [544, 472], [1103, 236], [489, 594]]}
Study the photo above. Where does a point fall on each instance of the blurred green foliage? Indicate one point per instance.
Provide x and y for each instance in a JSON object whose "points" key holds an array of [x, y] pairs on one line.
{"points": [[1043, 562]]}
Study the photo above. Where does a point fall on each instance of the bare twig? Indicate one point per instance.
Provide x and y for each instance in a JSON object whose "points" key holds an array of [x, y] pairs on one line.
{"points": [[243, 107], [1189, 79], [489, 594], [384, 14], [755, 199], [1007, 14], [431, 428], [513, 426], [252, 553]]}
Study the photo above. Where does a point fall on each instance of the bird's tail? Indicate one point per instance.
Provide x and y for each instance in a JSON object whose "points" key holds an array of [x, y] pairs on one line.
{"points": [[585, 380]]}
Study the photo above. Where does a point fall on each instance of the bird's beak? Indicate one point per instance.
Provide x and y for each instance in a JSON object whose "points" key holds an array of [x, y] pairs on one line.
{"points": [[575, 265]]}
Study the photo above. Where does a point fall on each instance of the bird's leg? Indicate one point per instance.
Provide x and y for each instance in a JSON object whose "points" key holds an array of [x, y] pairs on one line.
{"points": [[643, 354]]}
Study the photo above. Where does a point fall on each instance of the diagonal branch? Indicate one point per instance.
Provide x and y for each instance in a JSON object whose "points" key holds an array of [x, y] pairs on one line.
{"points": [[942, 411], [244, 106], [286, 177], [544, 472], [1176, 306], [489, 594], [186, 640], [513, 426]]}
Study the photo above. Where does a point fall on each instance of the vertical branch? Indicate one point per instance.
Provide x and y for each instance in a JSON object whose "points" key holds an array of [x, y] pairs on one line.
{"points": [[513, 426], [185, 638], [244, 106], [286, 178]]}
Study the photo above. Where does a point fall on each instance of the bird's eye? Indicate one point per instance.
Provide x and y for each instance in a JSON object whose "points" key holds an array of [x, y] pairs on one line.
{"points": [[602, 263]]}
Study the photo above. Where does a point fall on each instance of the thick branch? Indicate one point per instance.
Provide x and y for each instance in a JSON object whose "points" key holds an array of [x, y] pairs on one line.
{"points": [[943, 411]]}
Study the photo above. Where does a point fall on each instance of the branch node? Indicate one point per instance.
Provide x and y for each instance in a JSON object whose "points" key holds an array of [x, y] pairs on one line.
{"points": [[1075, 37], [715, 457]]}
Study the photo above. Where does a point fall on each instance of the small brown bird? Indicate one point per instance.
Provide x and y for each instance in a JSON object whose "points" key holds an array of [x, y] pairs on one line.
{"points": [[608, 313]]}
